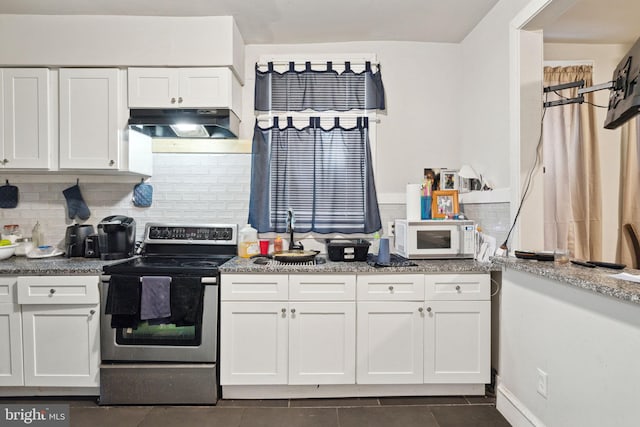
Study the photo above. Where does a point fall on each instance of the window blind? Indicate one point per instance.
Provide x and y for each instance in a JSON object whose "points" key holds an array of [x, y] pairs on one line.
{"points": [[324, 175]]}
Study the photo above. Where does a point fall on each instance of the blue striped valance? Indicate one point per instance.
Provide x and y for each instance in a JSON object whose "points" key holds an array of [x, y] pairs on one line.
{"points": [[318, 90]]}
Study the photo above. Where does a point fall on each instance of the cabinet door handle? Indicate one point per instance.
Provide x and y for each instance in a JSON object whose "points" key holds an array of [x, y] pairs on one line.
{"points": [[284, 310], [293, 311], [420, 309], [179, 100], [5, 161], [92, 312], [112, 162], [390, 288], [52, 291], [173, 100], [458, 288], [428, 309]]}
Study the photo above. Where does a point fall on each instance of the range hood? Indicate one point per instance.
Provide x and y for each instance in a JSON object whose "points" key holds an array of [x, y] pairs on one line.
{"points": [[211, 123]]}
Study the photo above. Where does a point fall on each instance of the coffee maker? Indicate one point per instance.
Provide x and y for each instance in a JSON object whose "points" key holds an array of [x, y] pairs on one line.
{"points": [[116, 237]]}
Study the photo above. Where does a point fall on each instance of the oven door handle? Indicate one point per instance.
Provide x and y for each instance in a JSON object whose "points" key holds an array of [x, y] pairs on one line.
{"points": [[204, 280]]}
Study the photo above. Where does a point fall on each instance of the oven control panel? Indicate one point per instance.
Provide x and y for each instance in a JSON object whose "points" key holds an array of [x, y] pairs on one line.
{"points": [[194, 234]]}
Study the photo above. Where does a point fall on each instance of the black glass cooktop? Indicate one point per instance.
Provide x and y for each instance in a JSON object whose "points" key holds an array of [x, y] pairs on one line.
{"points": [[169, 265]]}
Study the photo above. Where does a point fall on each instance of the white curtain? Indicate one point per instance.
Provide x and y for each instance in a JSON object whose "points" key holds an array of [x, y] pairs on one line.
{"points": [[572, 195]]}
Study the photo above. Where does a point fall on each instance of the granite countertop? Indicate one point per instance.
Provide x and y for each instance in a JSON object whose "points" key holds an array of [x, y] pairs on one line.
{"points": [[597, 279], [243, 265], [59, 265]]}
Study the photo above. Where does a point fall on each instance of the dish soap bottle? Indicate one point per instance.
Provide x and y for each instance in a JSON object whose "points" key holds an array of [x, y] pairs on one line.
{"points": [[37, 235], [248, 242], [277, 244]]}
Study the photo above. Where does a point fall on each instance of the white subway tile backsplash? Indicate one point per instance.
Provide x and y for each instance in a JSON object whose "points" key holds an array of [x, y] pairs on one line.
{"points": [[187, 187]]}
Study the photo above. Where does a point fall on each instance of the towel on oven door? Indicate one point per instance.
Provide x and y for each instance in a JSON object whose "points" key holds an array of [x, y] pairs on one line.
{"points": [[123, 301], [186, 300], [155, 297]]}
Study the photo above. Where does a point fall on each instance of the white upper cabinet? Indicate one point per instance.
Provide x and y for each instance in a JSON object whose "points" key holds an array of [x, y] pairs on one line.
{"points": [[199, 87], [25, 119], [89, 128], [93, 124]]}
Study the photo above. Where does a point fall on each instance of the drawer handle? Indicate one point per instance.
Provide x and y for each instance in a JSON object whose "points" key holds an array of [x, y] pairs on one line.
{"points": [[92, 312], [420, 309], [284, 310], [293, 311], [391, 288], [428, 309], [458, 288], [52, 291]]}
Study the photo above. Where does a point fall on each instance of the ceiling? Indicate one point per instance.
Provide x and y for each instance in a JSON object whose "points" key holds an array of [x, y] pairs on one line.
{"points": [[597, 21], [291, 21]]}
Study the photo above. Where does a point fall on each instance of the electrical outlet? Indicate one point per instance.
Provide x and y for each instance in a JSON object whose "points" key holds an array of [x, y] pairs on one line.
{"points": [[542, 386], [391, 229]]}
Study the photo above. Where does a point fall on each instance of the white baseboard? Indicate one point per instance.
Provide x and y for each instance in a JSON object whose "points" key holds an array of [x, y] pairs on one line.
{"points": [[48, 391], [513, 409], [348, 390]]}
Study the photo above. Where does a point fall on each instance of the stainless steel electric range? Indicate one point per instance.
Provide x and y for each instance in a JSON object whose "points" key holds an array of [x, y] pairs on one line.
{"points": [[170, 359]]}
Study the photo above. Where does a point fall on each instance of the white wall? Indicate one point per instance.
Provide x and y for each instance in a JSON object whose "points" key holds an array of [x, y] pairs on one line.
{"points": [[604, 58], [484, 105], [587, 343], [420, 128]]}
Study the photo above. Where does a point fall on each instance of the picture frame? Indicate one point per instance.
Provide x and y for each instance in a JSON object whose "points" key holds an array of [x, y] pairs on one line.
{"points": [[464, 184], [444, 204], [449, 180]]}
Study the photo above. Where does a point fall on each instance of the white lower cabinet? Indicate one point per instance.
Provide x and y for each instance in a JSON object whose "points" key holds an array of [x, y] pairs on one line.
{"points": [[390, 338], [441, 335], [311, 330], [10, 345], [61, 345], [457, 345], [49, 331], [322, 342], [303, 341], [253, 342]]}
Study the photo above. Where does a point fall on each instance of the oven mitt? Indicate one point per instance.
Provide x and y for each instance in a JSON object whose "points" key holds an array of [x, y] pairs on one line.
{"points": [[142, 195], [8, 196], [75, 203]]}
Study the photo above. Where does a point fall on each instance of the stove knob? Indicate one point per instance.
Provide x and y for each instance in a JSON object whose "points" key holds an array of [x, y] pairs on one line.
{"points": [[153, 233], [166, 233]]}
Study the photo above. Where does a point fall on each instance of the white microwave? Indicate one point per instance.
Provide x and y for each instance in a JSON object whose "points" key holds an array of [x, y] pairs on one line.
{"points": [[435, 239]]}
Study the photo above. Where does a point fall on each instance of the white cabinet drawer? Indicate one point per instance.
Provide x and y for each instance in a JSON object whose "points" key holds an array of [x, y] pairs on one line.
{"points": [[254, 287], [460, 287], [7, 290], [390, 287], [322, 287], [58, 290]]}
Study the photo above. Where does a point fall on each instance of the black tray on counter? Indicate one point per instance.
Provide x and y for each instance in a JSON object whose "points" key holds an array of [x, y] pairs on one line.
{"points": [[538, 256]]}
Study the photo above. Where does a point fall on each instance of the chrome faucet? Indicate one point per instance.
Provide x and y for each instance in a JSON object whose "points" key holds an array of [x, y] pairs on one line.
{"points": [[290, 227]]}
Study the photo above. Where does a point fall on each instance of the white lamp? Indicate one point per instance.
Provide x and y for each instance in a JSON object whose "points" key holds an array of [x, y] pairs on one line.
{"points": [[467, 171]]}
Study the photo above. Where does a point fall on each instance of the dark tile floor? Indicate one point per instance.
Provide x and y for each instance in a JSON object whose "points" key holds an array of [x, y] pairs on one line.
{"points": [[446, 411]]}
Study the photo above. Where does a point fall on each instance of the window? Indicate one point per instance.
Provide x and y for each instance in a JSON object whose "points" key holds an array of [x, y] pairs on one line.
{"points": [[320, 168]]}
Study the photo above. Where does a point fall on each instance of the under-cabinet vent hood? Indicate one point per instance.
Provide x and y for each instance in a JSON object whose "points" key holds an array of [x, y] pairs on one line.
{"points": [[218, 123]]}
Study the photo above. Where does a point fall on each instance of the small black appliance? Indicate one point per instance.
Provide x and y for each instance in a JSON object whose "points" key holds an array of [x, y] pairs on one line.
{"points": [[74, 240], [116, 237]]}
